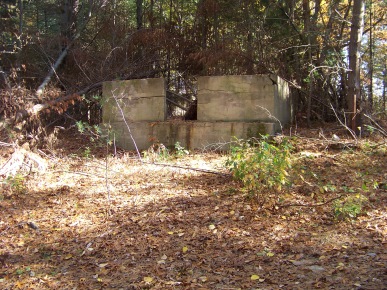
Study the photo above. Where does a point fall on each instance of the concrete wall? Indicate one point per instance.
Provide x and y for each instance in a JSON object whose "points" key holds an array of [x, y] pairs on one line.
{"points": [[190, 134], [140, 100], [243, 98], [228, 106]]}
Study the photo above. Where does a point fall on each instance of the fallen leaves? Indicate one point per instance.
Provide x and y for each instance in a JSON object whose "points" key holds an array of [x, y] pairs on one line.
{"points": [[169, 228]]}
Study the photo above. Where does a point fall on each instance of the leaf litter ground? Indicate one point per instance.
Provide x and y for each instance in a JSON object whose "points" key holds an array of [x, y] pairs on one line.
{"points": [[146, 226]]}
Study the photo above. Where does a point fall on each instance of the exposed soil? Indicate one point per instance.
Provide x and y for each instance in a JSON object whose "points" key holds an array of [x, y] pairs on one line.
{"points": [[88, 224]]}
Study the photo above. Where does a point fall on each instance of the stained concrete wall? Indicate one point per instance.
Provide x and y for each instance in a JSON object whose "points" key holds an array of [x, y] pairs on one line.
{"points": [[190, 134], [243, 98], [228, 106], [140, 100]]}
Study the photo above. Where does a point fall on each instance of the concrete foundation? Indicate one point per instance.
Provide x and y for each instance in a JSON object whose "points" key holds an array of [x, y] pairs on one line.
{"points": [[228, 106], [190, 134]]}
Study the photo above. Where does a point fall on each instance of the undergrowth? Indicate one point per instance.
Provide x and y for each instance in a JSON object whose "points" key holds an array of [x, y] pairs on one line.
{"points": [[260, 164]]}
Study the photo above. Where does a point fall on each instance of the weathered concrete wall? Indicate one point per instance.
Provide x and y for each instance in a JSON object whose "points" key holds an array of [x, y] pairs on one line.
{"points": [[228, 106], [190, 134], [140, 100], [243, 98]]}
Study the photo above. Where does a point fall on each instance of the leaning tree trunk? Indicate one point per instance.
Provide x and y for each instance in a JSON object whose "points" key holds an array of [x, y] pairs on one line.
{"points": [[354, 89]]}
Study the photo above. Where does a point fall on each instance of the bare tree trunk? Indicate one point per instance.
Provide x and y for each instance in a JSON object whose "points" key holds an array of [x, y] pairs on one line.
{"points": [[354, 89], [70, 9], [139, 14], [371, 62], [20, 40], [307, 31], [53, 69], [249, 44]]}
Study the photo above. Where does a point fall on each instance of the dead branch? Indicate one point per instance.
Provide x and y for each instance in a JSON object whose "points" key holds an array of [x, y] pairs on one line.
{"points": [[13, 165], [65, 51], [176, 104], [17, 161], [189, 168], [36, 109], [79, 173], [352, 132], [53, 69], [3, 144], [379, 128]]}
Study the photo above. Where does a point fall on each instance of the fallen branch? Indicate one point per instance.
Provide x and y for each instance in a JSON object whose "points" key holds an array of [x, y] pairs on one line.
{"points": [[379, 128], [3, 144], [352, 132], [36, 109], [189, 168], [53, 69], [16, 162], [79, 173]]}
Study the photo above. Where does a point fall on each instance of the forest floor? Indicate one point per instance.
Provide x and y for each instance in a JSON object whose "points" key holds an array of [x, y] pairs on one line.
{"points": [[85, 223]]}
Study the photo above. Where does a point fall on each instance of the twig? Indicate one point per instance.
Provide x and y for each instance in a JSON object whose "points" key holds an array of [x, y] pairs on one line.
{"points": [[106, 175], [189, 168], [80, 173], [272, 117], [127, 125], [380, 129], [6, 144], [344, 125]]}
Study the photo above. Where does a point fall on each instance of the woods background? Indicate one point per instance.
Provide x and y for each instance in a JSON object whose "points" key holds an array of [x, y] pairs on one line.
{"points": [[54, 55]]}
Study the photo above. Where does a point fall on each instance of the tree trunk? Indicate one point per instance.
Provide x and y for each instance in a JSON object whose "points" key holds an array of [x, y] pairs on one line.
{"points": [[371, 62], [307, 31], [139, 14], [70, 9], [354, 90], [20, 41]]}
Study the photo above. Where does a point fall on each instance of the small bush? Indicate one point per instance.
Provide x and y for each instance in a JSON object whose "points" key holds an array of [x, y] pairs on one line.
{"points": [[180, 151], [349, 207], [260, 165], [157, 152], [16, 184]]}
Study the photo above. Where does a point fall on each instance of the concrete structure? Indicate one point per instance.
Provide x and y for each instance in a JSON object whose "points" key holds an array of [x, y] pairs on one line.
{"points": [[190, 134], [140, 100], [228, 106], [243, 98]]}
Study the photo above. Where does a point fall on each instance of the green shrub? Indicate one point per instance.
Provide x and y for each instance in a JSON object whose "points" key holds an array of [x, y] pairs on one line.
{"points": [[180, 151], [349, 207], [16, 183], [261, 165]]}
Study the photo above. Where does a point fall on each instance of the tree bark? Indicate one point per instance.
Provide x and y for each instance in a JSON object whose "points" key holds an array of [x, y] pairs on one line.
{"points": [[354, 90], [139, 14], [371, 61], [307, 31]]}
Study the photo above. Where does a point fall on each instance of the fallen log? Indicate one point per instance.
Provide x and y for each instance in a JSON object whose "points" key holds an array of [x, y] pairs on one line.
{"points": [[36, 109], [23, 157]]}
